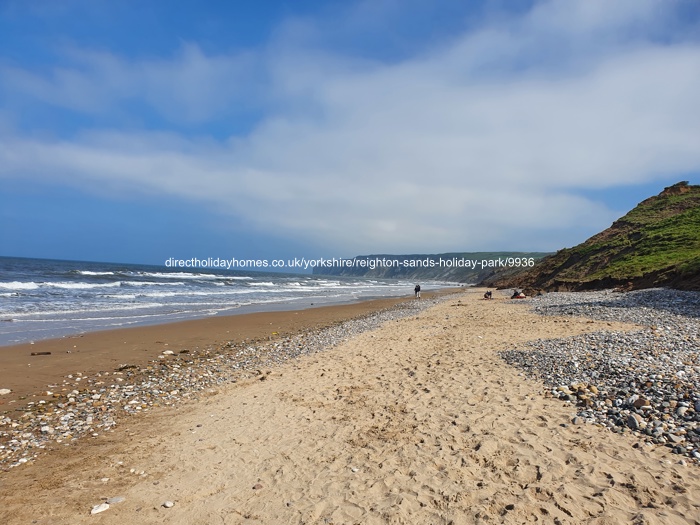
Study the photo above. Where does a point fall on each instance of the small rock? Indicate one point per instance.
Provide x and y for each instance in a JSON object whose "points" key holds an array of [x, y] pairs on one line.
{"points": [[4, 391], [633, 422], [168, 504], [675, 438], [99, 508], [257, 486], [640, 402]]}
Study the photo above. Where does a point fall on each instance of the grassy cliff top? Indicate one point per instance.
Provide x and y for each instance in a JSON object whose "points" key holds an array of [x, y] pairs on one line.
{"points": [[655, 244]]}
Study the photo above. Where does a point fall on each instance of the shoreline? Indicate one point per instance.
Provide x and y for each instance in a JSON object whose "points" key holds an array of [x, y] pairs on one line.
{"points": [[30, 376], [84, 405], [296, 304]]}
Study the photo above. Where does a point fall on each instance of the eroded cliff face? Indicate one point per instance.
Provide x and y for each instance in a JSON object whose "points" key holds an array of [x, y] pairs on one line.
{"points": [[655, 244]]}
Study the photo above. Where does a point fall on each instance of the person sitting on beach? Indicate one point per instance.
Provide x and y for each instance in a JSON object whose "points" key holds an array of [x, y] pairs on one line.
{"points": [[416, 290], [488, 295]]}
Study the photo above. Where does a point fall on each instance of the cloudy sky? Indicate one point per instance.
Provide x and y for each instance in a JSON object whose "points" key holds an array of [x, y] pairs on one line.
{"points": [[133, 131]]}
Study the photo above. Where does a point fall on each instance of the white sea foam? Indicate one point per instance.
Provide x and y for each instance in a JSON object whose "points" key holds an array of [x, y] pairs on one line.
{"points": [[189, 275], [67, 313], [17, 285], [81, 286], [149, 283]]}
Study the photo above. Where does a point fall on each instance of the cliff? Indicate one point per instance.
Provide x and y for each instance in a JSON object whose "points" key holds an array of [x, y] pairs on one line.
{"points": [[655, 244]]}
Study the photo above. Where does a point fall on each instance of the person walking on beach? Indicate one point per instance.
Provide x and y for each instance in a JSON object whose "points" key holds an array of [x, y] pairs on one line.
{"points": [[417, 291]]}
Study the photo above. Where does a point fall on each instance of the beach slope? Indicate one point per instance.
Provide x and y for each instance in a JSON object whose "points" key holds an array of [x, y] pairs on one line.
{"points": [[419, 421]]}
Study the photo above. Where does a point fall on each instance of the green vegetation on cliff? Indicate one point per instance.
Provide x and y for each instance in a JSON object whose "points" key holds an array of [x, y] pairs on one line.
{"points": [[655, 244]]}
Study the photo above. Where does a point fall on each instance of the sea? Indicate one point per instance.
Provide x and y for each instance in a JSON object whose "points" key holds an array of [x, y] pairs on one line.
{"points": [[43, 299]]}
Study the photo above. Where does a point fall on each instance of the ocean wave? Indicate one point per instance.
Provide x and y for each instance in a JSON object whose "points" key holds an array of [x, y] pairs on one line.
{"points": [[88, 272], [190, 275], [192, 293], [65, 312], [17, 285], [148, 283], [80, 286]]}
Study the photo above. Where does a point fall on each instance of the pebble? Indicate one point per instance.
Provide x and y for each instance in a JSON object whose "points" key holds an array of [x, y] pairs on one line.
{"points": [[99, 508], [97, 404], [4, 391], [645, 380], [168, 504]]}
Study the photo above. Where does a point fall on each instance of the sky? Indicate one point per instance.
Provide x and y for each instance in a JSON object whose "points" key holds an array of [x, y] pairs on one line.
{"points": [[136, 131]]}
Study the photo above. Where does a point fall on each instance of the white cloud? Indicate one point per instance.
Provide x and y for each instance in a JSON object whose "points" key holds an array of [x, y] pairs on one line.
{"points": [[480, 142], [188, 88]]}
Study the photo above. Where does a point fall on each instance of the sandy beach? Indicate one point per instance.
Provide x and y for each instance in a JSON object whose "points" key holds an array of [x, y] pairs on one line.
{"points": [[418, 421], [27, 369]]}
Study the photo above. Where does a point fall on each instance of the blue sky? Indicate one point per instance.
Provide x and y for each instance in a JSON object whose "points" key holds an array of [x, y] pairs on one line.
{"points": [[137, 131]]}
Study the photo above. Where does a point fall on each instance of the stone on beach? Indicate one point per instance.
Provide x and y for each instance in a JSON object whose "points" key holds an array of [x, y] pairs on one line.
{"points": [[645, 379], [99, 508]]}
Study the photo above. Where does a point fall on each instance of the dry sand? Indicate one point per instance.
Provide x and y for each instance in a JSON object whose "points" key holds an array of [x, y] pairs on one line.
{"points": [[417, 422]]}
